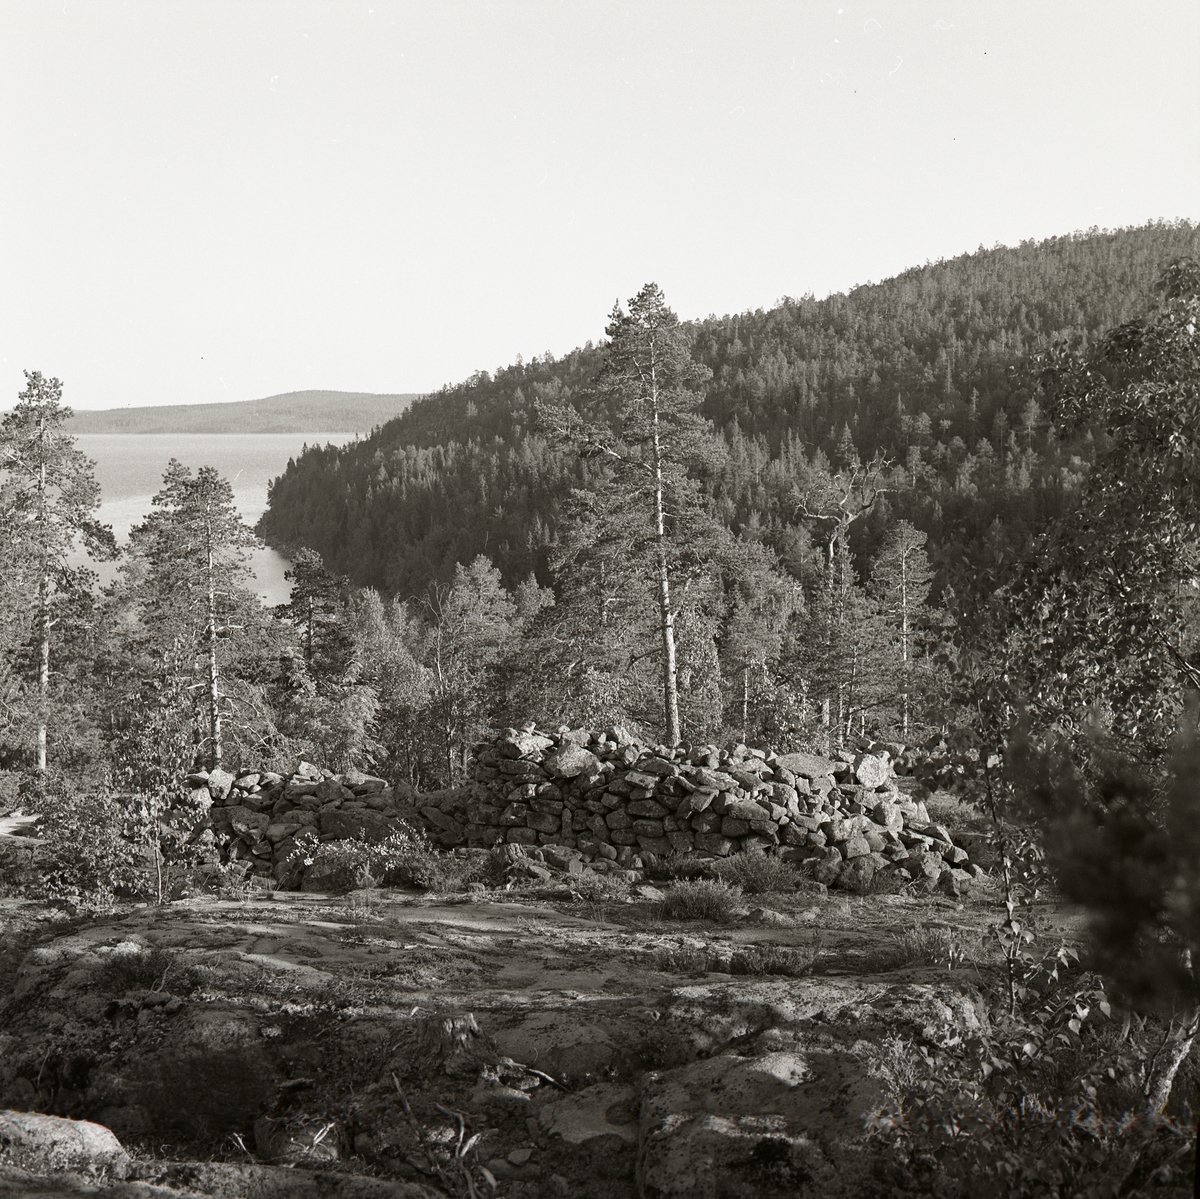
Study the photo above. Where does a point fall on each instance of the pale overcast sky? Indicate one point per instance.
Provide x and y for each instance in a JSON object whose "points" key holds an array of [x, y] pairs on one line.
{"points": [[228, 199]]}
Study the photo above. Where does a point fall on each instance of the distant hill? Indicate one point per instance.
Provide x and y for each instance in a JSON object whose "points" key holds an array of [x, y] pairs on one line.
{"points": [[295, 412]]}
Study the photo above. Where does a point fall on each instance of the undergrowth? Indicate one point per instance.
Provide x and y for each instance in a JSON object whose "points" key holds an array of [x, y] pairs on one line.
{"points": [[702, 899]]}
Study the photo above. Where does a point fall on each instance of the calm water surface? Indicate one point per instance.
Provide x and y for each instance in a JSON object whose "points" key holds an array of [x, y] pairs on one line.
{"points": [[130, 466]]}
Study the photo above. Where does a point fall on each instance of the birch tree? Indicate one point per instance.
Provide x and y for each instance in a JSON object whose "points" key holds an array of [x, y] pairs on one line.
{"points": [[48, 498]]}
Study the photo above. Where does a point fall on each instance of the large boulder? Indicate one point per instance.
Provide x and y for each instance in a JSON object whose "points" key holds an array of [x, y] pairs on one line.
{"points": [[809, 766], [570, 762], [871, 771], [363, 825], [36, 1142]]}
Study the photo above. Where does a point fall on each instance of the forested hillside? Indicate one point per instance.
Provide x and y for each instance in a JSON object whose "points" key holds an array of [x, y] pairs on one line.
{"points": [[293, 412], [931, 370]]}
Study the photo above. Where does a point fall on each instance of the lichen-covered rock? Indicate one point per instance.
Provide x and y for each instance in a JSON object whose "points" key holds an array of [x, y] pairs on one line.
{"points": [[37, 1142]]}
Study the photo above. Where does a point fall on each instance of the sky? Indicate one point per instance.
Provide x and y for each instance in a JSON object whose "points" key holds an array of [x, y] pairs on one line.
{"points": [[221, 199]]}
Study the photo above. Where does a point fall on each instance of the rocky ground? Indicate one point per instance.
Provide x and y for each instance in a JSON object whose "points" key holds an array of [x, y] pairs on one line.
{"points": [[489, 1043]]}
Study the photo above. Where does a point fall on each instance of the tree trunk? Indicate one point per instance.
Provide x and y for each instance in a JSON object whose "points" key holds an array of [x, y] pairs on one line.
{"points": [[666, 616], [904, 642], [1166, 1063], [746, 703], [43, 666], [214, 678], [43, 607]]}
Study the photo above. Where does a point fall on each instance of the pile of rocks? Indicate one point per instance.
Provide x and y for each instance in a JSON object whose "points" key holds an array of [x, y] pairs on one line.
{"points": [[607, 801], [257, 817]]}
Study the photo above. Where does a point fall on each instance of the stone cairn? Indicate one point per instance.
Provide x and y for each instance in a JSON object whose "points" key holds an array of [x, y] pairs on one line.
{"points": [[257, 817], [578, 799]]}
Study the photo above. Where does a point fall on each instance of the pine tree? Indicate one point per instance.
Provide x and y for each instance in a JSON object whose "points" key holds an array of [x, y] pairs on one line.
{"points": [[643, 422], [187, 572], [48, 499], [900, 583], [316, 608]]}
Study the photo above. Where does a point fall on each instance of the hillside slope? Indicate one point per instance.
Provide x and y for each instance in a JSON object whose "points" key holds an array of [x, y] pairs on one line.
{"points": [[929, 368], [293, 412]]}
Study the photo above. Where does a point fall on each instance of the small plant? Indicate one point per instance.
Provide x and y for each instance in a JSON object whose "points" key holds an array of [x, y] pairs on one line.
{"points": [[685, 959], [151, 970], [774, 959], [702, 899], [756, 873], [596, 888], [921, 947], [404, 859]]}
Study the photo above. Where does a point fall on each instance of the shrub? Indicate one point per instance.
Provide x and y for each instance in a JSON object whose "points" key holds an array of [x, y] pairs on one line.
{"points": [[774, 959], [756, 873], [702, 899], [153, 969], [922, 947], [595, 888], [404, 859]]}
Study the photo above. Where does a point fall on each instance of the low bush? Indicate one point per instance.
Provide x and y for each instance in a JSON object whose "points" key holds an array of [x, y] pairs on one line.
{"points": [[404, 859], [151, 970], [756, 873], [702, 899], [923, 947], [595, 888], [792, 962]]}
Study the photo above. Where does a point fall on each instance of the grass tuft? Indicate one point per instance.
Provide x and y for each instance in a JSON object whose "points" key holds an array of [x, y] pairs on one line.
{"points": [[702, 899], [756, 873]]}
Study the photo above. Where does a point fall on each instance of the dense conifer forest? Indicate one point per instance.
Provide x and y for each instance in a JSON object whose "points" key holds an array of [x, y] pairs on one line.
{"points": [[931, 371]]}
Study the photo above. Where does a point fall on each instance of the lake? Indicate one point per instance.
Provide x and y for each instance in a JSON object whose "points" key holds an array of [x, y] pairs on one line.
{"points": [[130, 466]]}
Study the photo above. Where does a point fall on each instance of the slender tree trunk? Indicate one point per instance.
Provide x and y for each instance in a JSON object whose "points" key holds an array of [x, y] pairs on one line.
{"points": [[666, 616], [214, 678], [43, 606], [1166, 1063], [43, 666], [746, 703], [904, 641]]}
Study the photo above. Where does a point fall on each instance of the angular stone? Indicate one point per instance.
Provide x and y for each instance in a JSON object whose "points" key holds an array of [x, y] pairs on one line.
{"points": [[618, 818], [54, 1143], [544, 822], [657, 845], [810, 766], [521, 836], [857, 875], [713, 843], [518, 744], [856, 846], [757, 842], [871, 771], [571, 761], [337, 825], [623, 836], [219, 783], [656, 766], [733, 827], [706, 822], [239, 819], [682, 840], [648, 828], [637, 780], [648, 808], [888, 814]]}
